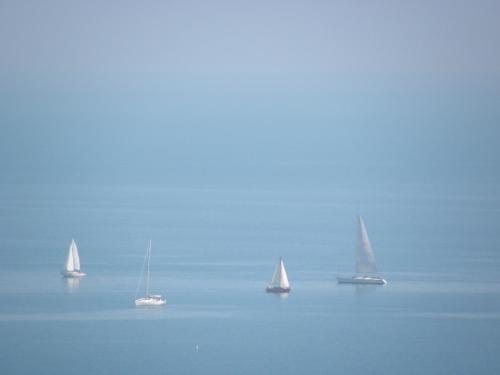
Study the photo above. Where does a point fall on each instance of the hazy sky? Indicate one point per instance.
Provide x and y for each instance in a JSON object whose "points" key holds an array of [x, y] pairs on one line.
{"points": [[302, 91], [344, 37]]}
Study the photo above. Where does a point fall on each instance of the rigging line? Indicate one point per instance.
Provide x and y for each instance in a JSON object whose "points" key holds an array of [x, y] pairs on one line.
{"points": [[149, 271], [141, 275]]}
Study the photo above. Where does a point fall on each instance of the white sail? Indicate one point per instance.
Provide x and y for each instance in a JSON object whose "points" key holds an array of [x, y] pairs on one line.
{"points": [[276, 275], [283, 279], [365, 259], [70, 265], [279, 276], [76, 257]]}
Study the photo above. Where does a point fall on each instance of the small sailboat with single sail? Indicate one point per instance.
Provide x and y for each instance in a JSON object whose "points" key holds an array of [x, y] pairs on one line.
{"points": [[279, 282], [149, 299], [366, 268], [72, 265]]}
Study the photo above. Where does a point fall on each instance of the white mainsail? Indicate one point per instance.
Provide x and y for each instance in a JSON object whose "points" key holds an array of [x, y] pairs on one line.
{"points": [[365, 259], [76, 257], [279, 276], [70, 264]]}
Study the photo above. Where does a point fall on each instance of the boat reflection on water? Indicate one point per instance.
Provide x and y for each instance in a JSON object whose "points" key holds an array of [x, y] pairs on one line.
{"points": [[364, 290], [281, 296], [72, 284]]}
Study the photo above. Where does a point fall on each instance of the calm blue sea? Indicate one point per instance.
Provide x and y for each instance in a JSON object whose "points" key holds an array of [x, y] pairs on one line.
{"points": [[214, 250]]}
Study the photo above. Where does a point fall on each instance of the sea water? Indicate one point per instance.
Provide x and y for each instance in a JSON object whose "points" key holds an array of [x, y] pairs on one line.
{"points": [[213, 252]]}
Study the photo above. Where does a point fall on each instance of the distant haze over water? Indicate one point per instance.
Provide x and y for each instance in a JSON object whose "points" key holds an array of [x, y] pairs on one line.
{"points": [[216, 133]]}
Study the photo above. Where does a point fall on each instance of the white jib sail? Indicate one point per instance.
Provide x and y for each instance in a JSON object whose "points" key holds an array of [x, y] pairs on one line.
{"points": [[283, 279], [365, 258], [76, 257], [70, 265]]}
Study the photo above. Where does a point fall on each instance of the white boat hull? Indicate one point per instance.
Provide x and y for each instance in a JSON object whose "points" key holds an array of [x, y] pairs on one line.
{"points": [[361, 280], [150, 301], [72, 274]]}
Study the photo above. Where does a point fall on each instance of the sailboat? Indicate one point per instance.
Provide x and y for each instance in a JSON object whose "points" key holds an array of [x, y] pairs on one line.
{"points": [[72, 265], [366, 268], [149, 299], [279, 282]]}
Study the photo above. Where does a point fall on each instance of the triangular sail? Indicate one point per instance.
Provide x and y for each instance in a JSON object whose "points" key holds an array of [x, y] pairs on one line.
{"points": [[365, 259], [283, 279], [76, 257], [276, 275], [70, 265]]}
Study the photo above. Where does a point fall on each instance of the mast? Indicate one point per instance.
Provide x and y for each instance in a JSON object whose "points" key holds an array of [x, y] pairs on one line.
{"points": [[148, 273]]}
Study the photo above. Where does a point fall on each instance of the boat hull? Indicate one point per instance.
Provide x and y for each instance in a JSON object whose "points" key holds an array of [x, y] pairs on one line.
{"points": [[277, 289], [150, 302], [361, 280], [72, 274]]}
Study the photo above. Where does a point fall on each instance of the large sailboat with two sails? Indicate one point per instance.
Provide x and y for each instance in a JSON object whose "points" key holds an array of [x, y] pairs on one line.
{"points": [[366, 268]]}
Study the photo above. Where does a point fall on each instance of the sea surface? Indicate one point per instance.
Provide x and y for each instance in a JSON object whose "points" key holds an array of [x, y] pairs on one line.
{"points": [[214, 251]]}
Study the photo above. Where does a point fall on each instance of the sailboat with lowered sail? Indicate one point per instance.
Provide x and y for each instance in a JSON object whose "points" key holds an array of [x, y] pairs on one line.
{"points": [[72, 265], [366, 268], [279, 282], [149, 299]]}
